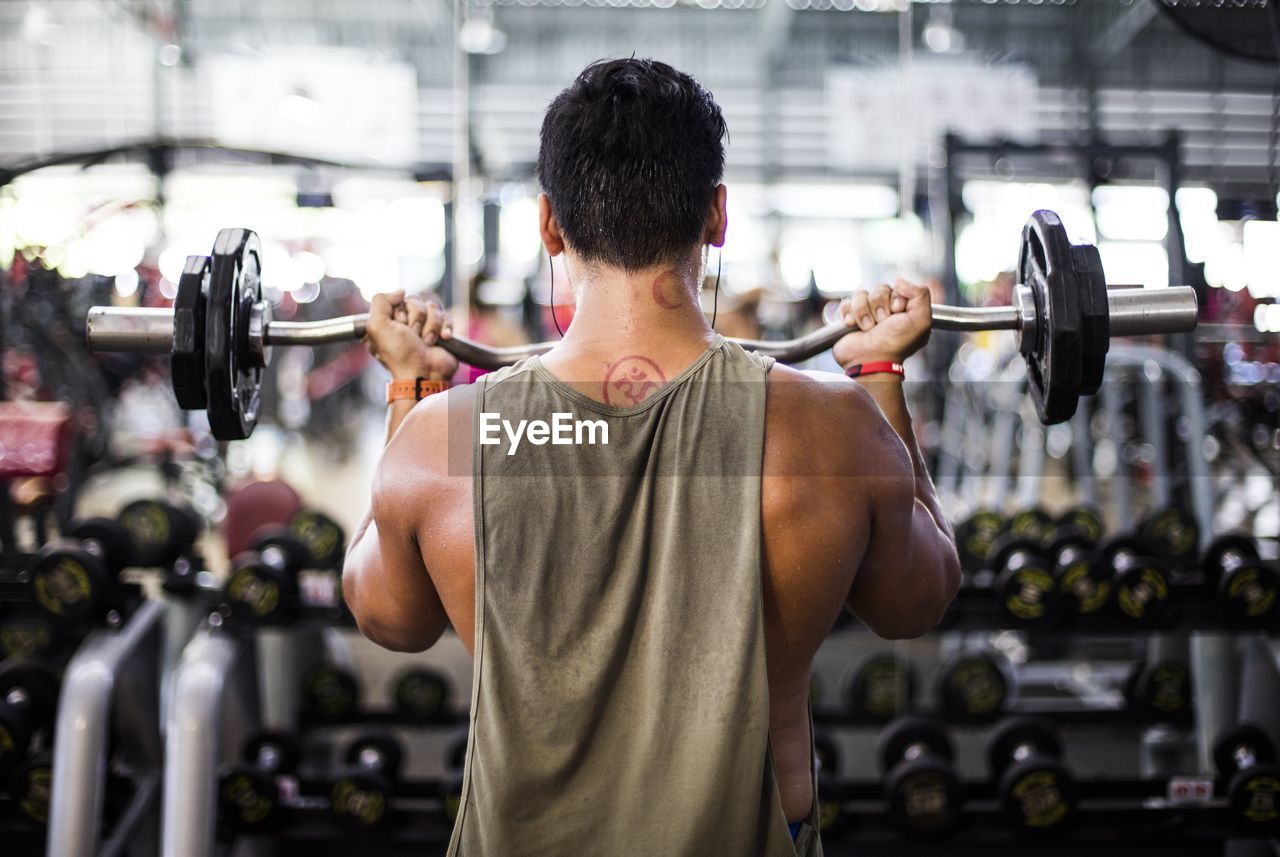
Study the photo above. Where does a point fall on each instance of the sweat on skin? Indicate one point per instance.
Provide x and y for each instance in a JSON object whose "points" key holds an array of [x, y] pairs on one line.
{"points": [[563, 430]]}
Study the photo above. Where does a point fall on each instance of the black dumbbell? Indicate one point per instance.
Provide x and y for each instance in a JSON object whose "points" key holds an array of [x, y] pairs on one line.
{"points": [[1087, 519], [250, 794], [75, 578], [1139, 584], [881, 686], [360, 798], [31, 636], [1024, 585], [31, 788], [1172, 534], [1160, 692], [1033, 523], [323, 537], [421, 695], [1248, 589], [1083, 582], [973, 687], [28, 701], [162, 531], [920, 783], [1037, 792], [975, 535], [263, 585], [1245, 754], [330, 693]]}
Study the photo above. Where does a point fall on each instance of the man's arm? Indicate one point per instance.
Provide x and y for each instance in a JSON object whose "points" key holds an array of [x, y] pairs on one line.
{"points": [[910, 572], [384, 580]]}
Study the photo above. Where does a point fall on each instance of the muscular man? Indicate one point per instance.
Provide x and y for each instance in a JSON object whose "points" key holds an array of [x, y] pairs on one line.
{"points": [[643, 612]]}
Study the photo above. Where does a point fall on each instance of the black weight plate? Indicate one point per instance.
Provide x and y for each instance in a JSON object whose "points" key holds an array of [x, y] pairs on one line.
{"points": [[882, 685], [975, 534], [1250, 594], [1066, 537], [1003, 549], [1241, 543], [38, 682], [1087, 518], [156, 528], [924, 798], [113, 540], [187, 359], [234, 384], [360, 801], [421, 694], [292, 552], [1112, 548], [1141, 593], [923, 730], [1046, 267], [1016, 731], [1032, 523], [1173, 533], [1095, 317], [258, 593], [1029, 593], [68, 583], [1161, 692], [972, 688], [322, 535], [282, 748], [1084, 583], [1247, 736], [329, 692], [380, 746]]}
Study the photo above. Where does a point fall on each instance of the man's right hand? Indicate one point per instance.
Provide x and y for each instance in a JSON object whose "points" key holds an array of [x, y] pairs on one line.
{"points": [[890, 324]]}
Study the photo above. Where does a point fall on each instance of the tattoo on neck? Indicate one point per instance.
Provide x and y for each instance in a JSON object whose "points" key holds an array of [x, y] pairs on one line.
{"points": [[631, 379], [668, 291]]}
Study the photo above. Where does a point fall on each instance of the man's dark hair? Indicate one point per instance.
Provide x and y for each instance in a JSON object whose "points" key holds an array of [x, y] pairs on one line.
{"points": [[630, 157]]}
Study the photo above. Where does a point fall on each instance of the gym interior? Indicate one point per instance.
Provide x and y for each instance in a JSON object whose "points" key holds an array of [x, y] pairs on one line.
{"points": [[201, 199]]}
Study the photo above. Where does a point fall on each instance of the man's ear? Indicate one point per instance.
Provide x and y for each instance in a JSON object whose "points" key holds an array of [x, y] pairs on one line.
{"points": [[717, 219], [548, 228]]}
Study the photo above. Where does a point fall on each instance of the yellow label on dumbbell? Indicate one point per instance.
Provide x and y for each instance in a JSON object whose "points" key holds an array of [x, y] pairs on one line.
{"points": [[1264, 800], [1248, 589], [452, 804], [925, 801], [828, 813], [1040, 799], [1091, 594], [238, 791], [364, 805], [319, 537], [7, 744], [259, 595], [147, 523], [34, 802], [23, 641], [1028, 599], [1137, 598], [61, 586]]}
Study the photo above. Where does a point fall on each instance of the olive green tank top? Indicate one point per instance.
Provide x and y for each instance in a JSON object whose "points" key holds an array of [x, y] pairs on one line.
{"points": [[620, 704]]}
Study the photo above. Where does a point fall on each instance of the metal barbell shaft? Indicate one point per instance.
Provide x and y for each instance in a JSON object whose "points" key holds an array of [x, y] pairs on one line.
{"points": [[1134, 311]]}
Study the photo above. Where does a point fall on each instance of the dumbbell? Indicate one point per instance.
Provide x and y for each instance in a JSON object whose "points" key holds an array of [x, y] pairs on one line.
{"points": [[920, 783], [1087, 519], [330, 693], [1083, 583], [1025, 584], [1032, 523], [975, 535], [31, 788], [28, 701], [323, 537], [1139, 583], [250, 793], [1245, 754], [421, 695], [74, 578], [162, 531], [31, 636], [826, 754], [1160, 692], [1037, 792], [1248, 589], [360, 797], [1172, 534], [973, 687], [881, 686], [262, 588]]}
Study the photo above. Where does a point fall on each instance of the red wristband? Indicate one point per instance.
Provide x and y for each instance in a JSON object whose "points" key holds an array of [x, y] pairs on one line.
{"points": [[876, 367]]}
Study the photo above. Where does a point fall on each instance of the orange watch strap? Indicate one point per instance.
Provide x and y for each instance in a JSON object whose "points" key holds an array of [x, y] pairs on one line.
{"points": [[416, 390]]}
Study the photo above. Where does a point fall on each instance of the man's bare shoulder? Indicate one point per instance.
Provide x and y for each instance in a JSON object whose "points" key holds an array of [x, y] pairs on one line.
{"points": [[431, 449], [822, 423]]}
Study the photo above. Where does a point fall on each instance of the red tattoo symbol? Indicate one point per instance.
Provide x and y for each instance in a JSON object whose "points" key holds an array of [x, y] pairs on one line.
{"points": [[667, 290], [632, 379]]}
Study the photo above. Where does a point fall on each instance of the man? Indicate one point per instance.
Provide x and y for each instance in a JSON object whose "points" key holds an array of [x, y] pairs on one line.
{"points": [[643, 612]]}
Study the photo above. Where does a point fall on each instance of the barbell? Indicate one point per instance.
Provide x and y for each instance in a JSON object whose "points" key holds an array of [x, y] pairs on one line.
{"points": [[220, 332]]}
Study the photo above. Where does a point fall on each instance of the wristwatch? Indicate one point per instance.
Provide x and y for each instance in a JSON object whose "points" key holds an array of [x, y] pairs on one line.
{"points": [[415, 390]]}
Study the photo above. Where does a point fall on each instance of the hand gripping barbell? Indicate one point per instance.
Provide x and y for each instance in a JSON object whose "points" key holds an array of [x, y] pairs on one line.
{"points": [[220, 331]]}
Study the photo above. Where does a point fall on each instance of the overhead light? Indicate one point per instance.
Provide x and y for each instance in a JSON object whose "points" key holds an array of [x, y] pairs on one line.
{"points": [[478, 35]]}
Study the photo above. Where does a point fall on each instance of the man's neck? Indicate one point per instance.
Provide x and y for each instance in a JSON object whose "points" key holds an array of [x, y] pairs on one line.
{"points": [[657, 307]]}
